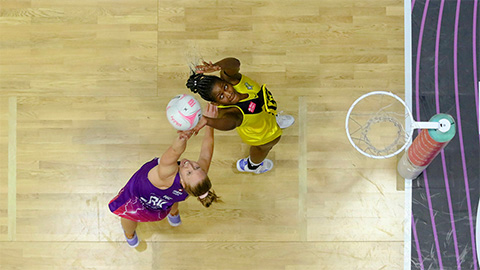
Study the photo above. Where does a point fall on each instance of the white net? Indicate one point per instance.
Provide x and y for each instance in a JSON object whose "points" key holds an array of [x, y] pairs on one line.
{"points": [[193, 56], [375, 125]]}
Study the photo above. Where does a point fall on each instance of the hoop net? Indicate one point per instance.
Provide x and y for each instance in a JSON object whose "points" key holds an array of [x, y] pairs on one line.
{"points": [[375, 125]]}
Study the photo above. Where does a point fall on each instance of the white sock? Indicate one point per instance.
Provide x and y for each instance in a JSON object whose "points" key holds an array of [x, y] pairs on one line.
{"points": [[251, 165]]}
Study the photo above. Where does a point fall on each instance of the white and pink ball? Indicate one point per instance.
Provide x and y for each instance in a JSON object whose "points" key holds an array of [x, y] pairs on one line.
{"points": [[184, 112]]}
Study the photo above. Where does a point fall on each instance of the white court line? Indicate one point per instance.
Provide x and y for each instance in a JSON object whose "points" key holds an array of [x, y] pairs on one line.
{"points": [[477, 234], [407, 225]]}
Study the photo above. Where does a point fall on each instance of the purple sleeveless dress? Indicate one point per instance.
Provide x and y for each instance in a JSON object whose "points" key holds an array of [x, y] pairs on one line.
{"points": [[139, 200]]}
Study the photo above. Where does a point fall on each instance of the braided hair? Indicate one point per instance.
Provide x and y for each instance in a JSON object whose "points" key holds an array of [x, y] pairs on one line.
{"points": [[202, 84]]}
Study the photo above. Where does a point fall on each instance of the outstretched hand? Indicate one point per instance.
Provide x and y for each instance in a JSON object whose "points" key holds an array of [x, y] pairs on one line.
{"points": [[211, 111], [184, 135], [207, 67], [202, 123]]}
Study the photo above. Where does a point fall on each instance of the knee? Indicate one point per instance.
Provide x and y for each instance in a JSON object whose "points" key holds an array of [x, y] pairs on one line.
{"points": [[264, 148]]}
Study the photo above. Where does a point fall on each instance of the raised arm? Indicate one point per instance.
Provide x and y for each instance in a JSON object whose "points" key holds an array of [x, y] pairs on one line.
{"points": [[206, 152], [229, 69], [228, 119], [168, 161]]}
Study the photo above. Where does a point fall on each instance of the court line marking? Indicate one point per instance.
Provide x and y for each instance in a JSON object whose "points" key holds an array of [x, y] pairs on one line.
{"points": [[460, 131], [417, 106], [474, 54], [407, 236], [302, 167], [12, 168], [478, 233], [442, 152]]}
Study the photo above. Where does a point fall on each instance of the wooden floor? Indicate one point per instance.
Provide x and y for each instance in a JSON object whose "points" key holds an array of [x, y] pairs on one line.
{"points": [[83, 87]]}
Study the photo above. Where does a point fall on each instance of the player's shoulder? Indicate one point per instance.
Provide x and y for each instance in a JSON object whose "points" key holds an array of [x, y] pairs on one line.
{"points": [[247, 84]]}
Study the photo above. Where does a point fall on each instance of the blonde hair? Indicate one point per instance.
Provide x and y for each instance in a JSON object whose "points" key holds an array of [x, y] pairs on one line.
{"points": [[201, 189]]}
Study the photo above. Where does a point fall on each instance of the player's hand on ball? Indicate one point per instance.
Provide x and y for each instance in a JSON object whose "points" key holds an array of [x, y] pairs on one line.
{"points": [[207, 67], [211, 111], [202, 123]]}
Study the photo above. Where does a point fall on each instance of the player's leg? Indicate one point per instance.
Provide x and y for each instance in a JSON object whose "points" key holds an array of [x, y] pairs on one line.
{"points": [[129, 227], [260, 152], [257, 161]]}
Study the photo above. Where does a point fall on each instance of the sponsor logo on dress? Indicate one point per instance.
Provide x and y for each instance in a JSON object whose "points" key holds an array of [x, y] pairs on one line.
{"points": [[249, 87], [178, 192], [153, 202], [251, 107]]}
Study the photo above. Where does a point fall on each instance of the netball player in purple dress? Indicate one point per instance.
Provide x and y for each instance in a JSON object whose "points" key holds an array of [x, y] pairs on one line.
{"points": [[154, 191]]}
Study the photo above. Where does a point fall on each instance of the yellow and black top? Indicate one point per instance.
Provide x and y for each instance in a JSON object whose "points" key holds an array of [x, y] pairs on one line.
{"points": [[259, 125]]}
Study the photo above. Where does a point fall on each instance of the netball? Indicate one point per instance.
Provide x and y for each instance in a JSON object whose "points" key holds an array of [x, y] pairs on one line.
{"points": [[184, 112]]}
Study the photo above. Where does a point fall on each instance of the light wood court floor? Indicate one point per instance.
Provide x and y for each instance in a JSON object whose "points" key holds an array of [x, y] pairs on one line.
{"points": [[83, 89]]}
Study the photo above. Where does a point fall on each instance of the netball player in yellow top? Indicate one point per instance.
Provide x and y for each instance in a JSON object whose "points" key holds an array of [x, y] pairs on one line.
{"points": [[243, 105]]}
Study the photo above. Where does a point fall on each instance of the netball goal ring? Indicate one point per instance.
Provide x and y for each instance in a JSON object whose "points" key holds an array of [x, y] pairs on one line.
{"points": [[380, 125]]}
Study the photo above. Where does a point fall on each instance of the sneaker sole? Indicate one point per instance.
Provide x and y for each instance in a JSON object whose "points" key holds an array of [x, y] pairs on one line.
{"points": [[266, 161], [288, 125]]}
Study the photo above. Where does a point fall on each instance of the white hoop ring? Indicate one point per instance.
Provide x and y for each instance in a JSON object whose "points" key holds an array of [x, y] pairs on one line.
{"points": [[408, 129]]}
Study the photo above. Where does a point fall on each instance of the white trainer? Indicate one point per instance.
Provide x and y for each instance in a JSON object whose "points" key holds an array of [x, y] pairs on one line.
{"points": [[284, 120], [265, 166]]}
